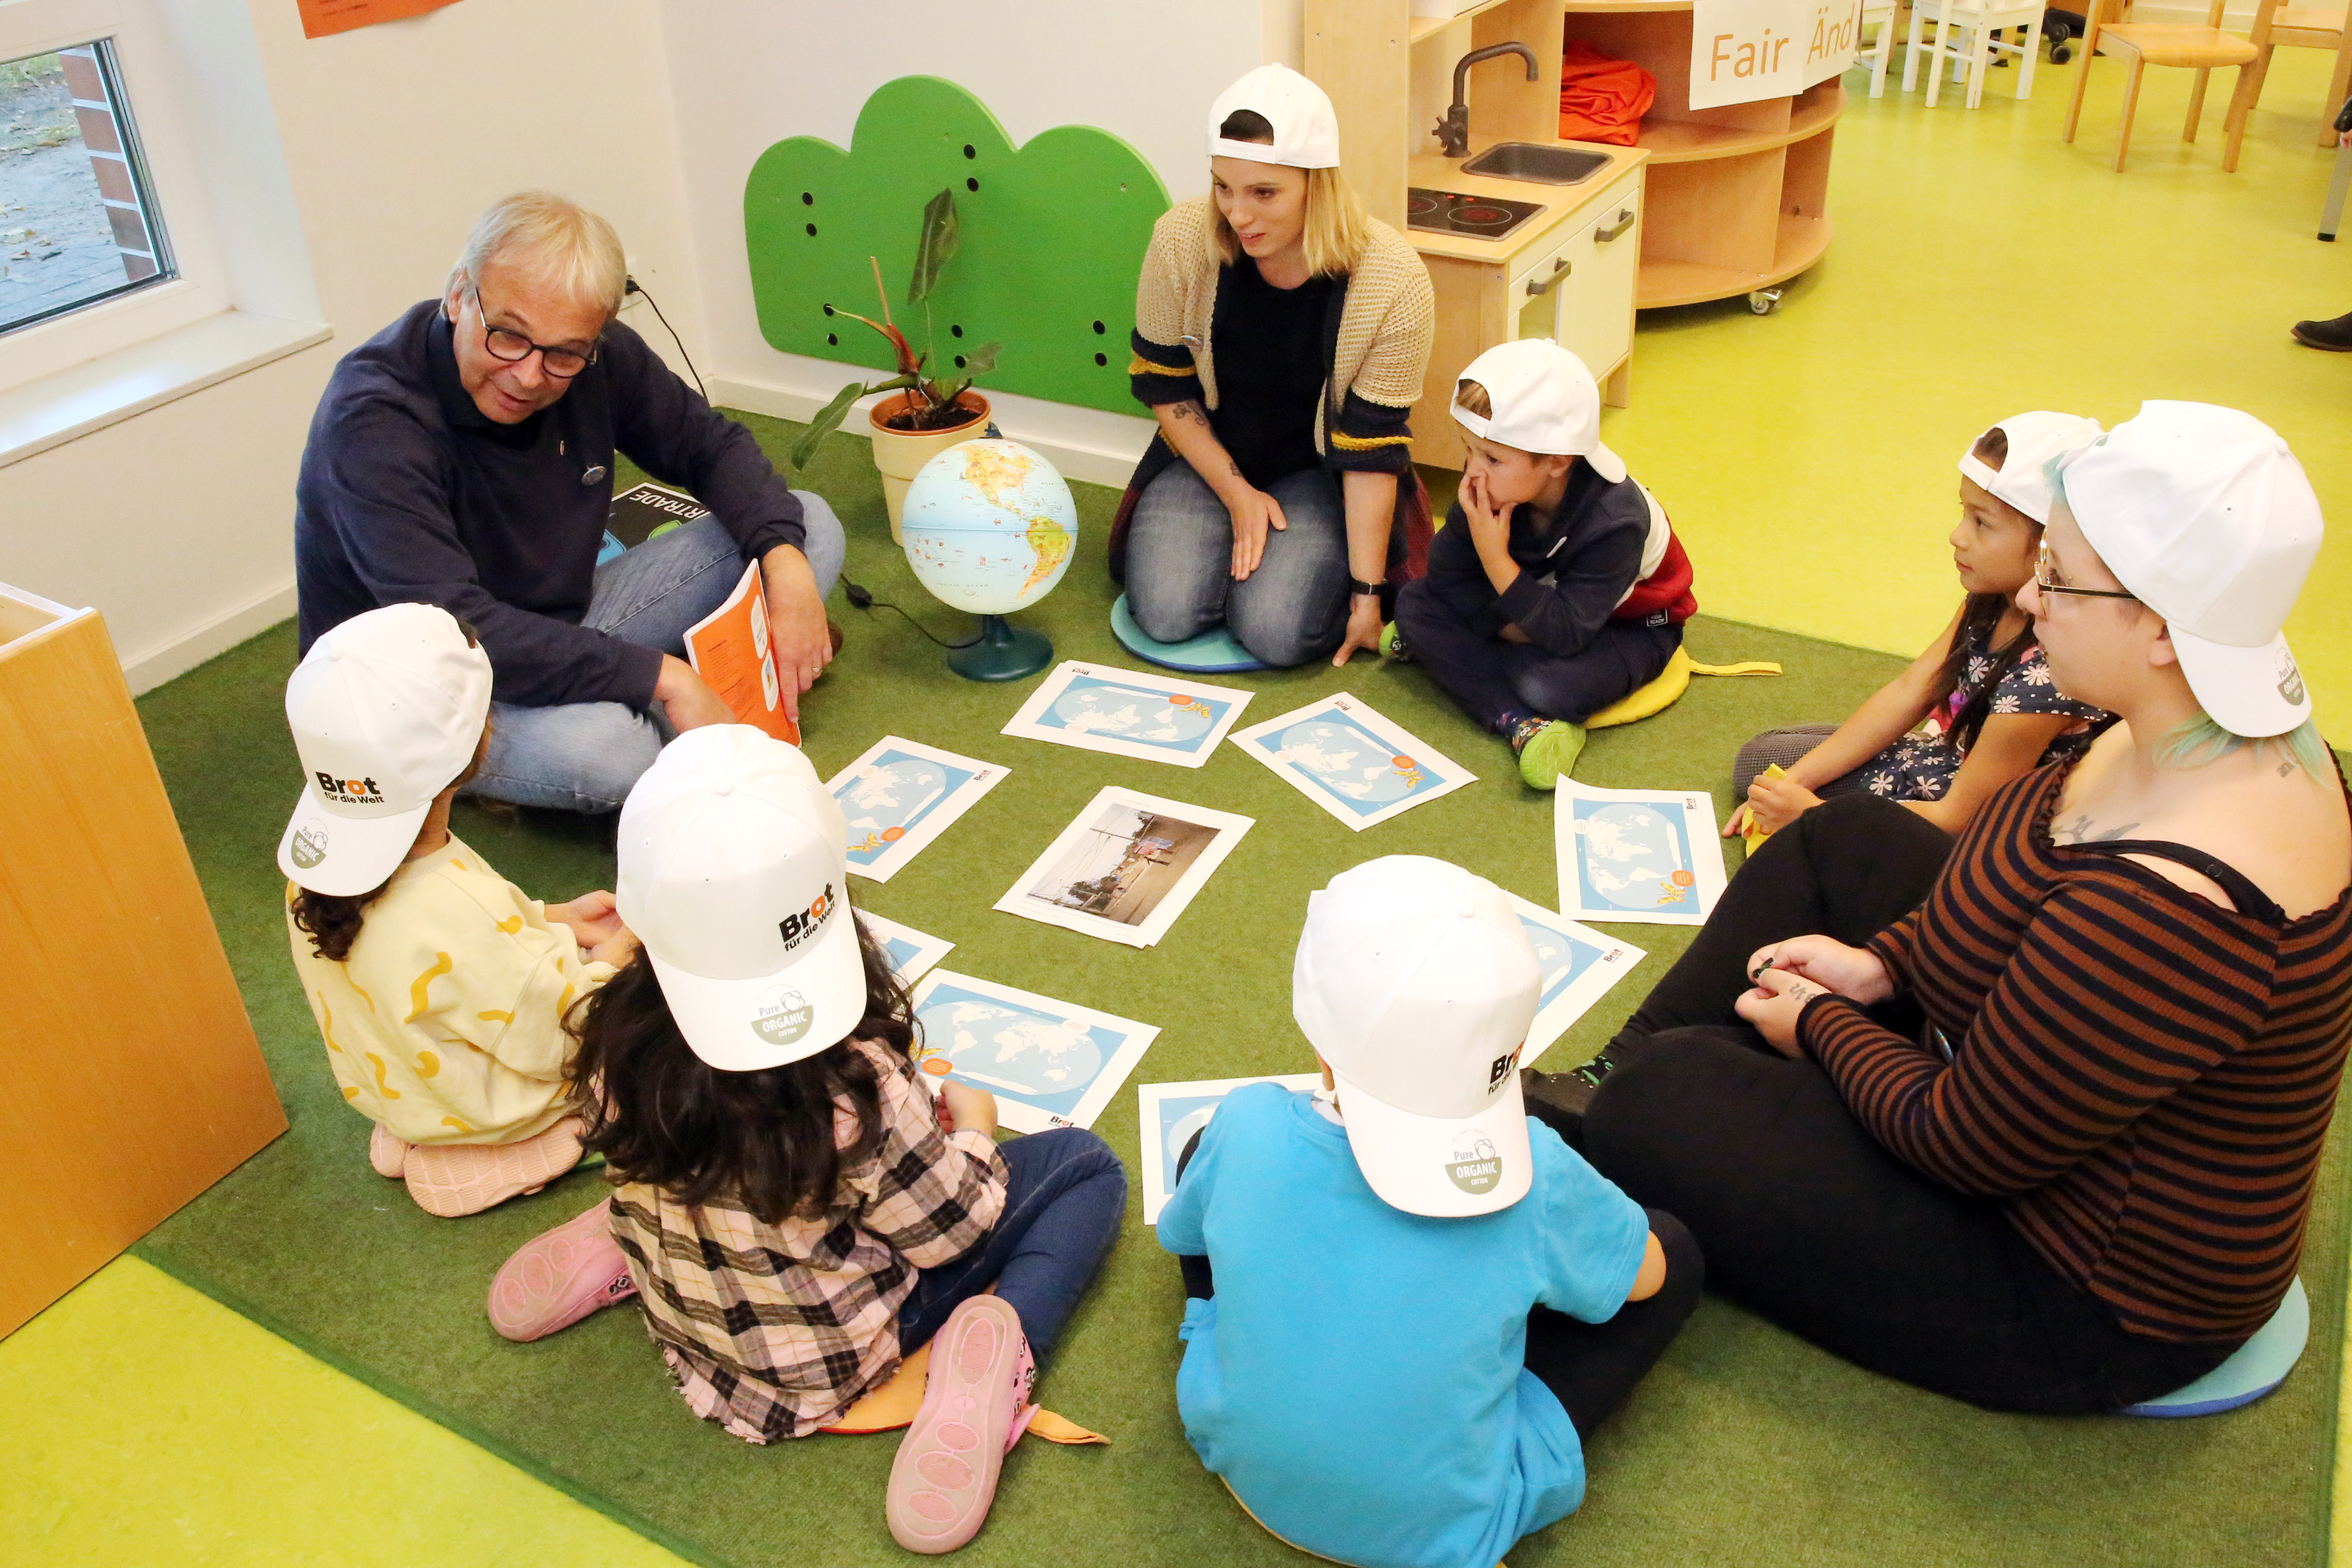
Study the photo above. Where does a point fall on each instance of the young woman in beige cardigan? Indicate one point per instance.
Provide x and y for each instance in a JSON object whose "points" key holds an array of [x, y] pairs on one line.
{"points": [[1280, 340]]}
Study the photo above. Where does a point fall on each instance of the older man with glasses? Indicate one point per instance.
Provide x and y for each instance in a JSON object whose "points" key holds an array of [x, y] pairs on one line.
{"points": [[463, 458]]}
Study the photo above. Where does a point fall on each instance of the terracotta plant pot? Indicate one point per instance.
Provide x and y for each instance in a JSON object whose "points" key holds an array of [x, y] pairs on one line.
{"points": [[901, 454]]}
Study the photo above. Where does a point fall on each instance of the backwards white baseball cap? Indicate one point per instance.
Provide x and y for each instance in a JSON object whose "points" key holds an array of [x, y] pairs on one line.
{"points": [[2022, 479], [2205, 516], [386, 710], [1544, 400], [1416, 982], [1306, 127], [733, 870]]}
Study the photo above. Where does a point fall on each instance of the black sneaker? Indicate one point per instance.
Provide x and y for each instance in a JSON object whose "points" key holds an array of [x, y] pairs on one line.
{"points": [[2335, 336], [1559, 1100]]}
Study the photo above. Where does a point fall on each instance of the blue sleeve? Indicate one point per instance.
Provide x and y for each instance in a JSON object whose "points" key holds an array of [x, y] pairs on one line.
{"points": [[1594, 1236], [1183, 1220], [1562, 618], [668, 430]]}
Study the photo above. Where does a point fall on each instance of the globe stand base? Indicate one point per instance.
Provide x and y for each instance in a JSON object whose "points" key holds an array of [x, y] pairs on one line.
{"points": [[1003, 653]]}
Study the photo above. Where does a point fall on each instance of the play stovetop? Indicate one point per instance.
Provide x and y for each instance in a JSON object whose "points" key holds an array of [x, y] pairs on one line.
{"points": [[1451, 212]]}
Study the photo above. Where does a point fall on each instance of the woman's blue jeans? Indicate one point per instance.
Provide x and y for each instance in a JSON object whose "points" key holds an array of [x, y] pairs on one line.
{"points": [[1180, 558], [1061, 1212]]}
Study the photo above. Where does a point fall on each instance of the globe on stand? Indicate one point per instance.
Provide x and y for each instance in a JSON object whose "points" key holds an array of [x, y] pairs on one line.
{"points": [[989, 527]]}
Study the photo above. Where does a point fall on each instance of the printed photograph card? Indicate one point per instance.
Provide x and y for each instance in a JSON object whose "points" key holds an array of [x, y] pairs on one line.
{"points": [[912, 954], [1579, 965], [1351, 761], [1650, 857], [1125, 866], [1049, 1063], [900, 795], [1153, 718], [1173, 1113]]}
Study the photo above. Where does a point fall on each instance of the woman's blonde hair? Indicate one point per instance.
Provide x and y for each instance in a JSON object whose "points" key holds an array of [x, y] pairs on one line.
{"points": [[1337, 230], [551, 241]]}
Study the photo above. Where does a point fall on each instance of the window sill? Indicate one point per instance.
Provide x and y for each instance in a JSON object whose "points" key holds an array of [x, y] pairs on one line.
{"points": [[56, 409]]}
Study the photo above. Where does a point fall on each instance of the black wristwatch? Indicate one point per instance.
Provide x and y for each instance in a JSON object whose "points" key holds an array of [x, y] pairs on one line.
{"points": [[1357, 587]]}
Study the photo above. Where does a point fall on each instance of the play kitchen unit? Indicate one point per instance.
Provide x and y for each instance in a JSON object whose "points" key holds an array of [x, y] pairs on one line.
{"points": [[1450, 128]]}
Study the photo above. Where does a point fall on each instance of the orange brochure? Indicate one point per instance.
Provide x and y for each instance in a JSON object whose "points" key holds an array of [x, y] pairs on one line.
{"points": [[729, 649], [321, 18]]}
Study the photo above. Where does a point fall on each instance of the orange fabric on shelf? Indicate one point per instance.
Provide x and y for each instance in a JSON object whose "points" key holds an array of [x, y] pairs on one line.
{"points": [[1600, 99]]}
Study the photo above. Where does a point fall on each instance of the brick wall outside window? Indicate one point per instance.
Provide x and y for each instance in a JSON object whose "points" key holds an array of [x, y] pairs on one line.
{"points": [[109, 157]]}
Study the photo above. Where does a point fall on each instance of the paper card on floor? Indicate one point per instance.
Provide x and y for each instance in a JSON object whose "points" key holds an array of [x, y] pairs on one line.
{"points": [[1126, 866], [643, 510], [729, 649], [1646, 856], [1155, 717], [1579, 965], [1172, 1112], [1049, 1063], [900, 795], [1351, 761], [912, 954]]}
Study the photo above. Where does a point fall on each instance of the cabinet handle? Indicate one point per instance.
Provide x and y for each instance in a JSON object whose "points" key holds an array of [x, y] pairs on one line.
{"points": [[1624, 221], [1560, 271]]}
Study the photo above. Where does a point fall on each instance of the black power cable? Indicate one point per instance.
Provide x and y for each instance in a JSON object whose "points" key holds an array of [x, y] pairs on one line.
{"points": [[630, 286]]}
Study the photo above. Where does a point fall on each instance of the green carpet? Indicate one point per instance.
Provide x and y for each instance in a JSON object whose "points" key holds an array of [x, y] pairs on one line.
{"points": [[1745, 1444]]}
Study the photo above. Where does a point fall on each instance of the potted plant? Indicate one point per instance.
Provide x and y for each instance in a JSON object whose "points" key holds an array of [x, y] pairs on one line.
{"points": [[930, 412]]}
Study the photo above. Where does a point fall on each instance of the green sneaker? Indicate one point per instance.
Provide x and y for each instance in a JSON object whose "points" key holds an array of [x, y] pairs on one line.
{"points": [[1392, 647], [1549, 754]]}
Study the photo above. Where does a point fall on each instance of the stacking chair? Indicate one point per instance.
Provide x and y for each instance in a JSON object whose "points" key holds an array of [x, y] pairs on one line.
{"points": [[1881, 14], [2306, 28], [2201, 49], [1978, 21]]}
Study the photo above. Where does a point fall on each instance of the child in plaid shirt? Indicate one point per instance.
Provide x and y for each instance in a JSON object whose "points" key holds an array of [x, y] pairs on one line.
{"points": [[795, 1213]]}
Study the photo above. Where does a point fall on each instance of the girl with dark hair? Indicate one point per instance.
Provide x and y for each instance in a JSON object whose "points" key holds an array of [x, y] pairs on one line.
{"points": [[438, 985], [1974, 710], [794, 1211]]}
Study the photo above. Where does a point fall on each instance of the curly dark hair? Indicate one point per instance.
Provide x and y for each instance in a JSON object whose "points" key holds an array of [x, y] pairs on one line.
{"points": [[661, 1115], [1978, 618]]}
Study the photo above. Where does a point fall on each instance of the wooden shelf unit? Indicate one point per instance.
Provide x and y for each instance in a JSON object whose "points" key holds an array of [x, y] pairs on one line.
{"points": [[1737, 196]]}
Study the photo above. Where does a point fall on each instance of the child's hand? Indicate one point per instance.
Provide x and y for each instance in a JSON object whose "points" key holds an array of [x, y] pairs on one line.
{"points": [[617, 949], [1773, 803], [1490, 525], [593, 918], [974, 1110], [1740, 819]]}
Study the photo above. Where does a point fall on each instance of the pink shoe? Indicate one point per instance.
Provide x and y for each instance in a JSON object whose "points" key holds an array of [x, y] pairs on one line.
{"points": [[387, 1152], [558, 1278], [451, 1180], [975, 1408]]}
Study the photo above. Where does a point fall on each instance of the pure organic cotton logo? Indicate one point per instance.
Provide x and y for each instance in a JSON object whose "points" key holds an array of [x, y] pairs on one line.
{"points": [[309, 846], [781, 1016], [1476, 1167]]}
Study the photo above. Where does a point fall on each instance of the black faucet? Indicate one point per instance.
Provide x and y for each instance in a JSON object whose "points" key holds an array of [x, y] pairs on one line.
{"points": [[1454, 130]]}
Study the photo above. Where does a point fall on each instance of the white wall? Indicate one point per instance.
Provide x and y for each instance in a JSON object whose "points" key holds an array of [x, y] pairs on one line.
{"points": [[750, 73], [177, 523]]}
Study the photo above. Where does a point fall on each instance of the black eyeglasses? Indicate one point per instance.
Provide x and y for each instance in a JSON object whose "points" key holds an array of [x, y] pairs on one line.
{"points": [[514, 348], [2042, 584]]}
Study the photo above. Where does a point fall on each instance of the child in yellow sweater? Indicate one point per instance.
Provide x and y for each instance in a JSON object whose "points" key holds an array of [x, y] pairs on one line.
{"points": [[439, 988]]}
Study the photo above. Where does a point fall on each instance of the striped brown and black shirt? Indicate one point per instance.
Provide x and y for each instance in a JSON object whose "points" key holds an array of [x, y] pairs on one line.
{"points": [[2145, 1076]]}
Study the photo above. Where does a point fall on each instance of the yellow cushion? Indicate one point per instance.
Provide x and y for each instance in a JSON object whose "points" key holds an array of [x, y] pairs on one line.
{"points": [[1668, 688]]}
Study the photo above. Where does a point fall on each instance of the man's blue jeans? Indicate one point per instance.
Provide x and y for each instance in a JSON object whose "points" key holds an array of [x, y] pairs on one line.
{"points": [[584, 756], [1061, 1212], [1179, 559]]}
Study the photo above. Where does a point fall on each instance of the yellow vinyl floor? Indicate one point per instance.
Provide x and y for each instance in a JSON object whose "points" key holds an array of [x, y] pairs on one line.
{"points": [[1982, 267]]}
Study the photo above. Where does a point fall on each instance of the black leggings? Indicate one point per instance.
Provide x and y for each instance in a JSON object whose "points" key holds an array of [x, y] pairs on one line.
{"points": [[1591, 1368], [1802, 1215]]}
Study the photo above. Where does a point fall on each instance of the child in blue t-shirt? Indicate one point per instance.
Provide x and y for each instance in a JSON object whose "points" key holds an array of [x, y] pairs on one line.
{"points": [[1410, 1301]]}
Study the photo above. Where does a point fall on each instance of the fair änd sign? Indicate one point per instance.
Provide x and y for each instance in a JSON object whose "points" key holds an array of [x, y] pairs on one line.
{"points": [[1742, 50]]}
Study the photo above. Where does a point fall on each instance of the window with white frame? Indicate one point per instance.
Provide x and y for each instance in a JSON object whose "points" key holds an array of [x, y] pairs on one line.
{"points": [[78, 219]]}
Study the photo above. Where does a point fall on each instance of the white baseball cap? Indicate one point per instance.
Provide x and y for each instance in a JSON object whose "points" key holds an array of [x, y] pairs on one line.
{"points": [[2205, 516], [1544, 400], [1306, 127], [1416, 983], [386, 710], [2022, 479], [734, 866]]}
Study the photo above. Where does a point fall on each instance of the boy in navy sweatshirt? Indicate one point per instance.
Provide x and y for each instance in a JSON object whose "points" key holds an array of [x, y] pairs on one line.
{"points": [[1556, 587]]}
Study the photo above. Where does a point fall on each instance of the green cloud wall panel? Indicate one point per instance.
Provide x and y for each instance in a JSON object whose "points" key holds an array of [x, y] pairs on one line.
{"points": [[1052, 236]]}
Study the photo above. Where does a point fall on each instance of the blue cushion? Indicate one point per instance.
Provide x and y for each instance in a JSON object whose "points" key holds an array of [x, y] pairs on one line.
{"points": [[1210, 652], [2255, 1368]]}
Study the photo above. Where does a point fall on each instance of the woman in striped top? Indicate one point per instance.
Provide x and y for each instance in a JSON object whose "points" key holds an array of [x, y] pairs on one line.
{"points": [[2046, 1141]]}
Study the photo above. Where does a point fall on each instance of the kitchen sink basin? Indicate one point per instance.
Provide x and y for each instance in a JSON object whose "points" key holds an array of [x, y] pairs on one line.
{"points": [[1536, 161]]}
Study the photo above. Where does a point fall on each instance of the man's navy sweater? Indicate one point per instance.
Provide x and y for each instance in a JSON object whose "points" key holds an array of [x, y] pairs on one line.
{"points": [[409, 494]]}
